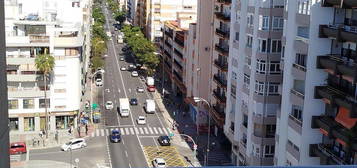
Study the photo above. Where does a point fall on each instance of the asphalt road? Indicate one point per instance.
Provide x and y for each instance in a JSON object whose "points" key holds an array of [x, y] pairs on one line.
{"points": [[120, 84], [91, 156]]}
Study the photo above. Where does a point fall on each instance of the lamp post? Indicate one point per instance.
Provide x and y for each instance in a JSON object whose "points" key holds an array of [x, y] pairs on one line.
{"points": [[199, 99]]}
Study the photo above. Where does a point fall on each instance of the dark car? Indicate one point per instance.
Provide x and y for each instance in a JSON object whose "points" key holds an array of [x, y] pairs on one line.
{"points": [[164, 140], [115, 136], [133, 101]]}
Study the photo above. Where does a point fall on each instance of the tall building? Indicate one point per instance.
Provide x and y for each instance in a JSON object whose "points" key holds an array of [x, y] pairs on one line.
{"points": [[62, 29], [317, 121], [254, 77]]}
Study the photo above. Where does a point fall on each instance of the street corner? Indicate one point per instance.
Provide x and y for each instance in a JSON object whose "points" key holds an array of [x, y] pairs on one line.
{"points": [[168, 153]]}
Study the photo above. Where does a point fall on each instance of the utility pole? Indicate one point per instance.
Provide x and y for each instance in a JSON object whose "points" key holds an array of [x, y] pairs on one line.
{"points": [[4, 121]]}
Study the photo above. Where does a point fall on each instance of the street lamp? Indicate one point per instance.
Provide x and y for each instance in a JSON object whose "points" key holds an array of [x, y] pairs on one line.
{"points": [[199, 99], [91, 96]]}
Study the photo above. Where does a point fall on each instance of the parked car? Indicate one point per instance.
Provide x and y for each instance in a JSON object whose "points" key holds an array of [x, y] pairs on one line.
{"points": [[133, 101], [109, 105], [141, 120], [74, 144], [17, 148], [151, 88], [99, 82], [140, 89], [123, 68], [164, 140], [159, 162], [134, 74], [115, 136], [121, 58]]}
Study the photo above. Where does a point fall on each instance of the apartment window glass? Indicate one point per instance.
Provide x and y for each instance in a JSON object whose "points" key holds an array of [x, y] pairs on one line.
{"points": [[264, 22], [42, 103], [71, 51], [263, 45], [245, 120], [246, 80], [270, 131], [261, 66], [278, 22], [250, 20], [300, 59], [29, 123], [14, 124], [234, 76], [296, 112], [247, 61], [293, 145], [303, 32], [274, 67], [269, 150], [233, 90], [237, 36], [276, 46], [269, 88], [28, 103], [259, 88], [273, 88], [249, 41], [13, 104]]}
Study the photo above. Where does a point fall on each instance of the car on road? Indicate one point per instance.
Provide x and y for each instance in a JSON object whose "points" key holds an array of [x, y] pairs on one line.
{"points": [[123, 68], [159, 162], [164, 140], [133, 101], [138, 66], [76, 143], [99, 82], [105, 55], [151, 88], [134, 74], [17, 148], [87, 104], [141, 120], [124, 49], [140, 89], [121, 58], [131, 66], [109, 105], [115, 136]]}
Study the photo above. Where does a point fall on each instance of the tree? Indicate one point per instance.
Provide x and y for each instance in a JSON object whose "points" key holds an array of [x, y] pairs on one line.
{"points": [[97, 62], [45, 63]]}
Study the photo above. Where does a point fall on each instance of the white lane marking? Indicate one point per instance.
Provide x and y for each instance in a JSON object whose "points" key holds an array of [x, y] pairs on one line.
{"points": [[97, 132], [108, 152], [106, 132], [136, 130], [119, 90], [127, 131], [102, 132], [93, 134], [146, 130], [132, 131], [155, 130], [157, 146], [126, 153], [164, 130], [150, 129], [160, 131], [141, 130], [111, 129], [149, 136], [129, 165], [122, 131]]}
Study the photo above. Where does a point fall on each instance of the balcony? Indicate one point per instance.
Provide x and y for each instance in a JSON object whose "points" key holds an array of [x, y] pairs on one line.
{"points": [[220, 81], [170, 34], [180, 41], [222, 33], [27, 92], [339, 3], [222, 65], [24, 77], [168, 44], [335, 64], [220, 97], [329, 155], [167, 54], [335, 97], [178, 65], [218, 115], [225, 1], [178, 53], [222, 16], [224, 50], [341, 33]]}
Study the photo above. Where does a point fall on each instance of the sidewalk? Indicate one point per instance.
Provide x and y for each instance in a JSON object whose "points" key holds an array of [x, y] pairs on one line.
{"points": [[218, 155]]}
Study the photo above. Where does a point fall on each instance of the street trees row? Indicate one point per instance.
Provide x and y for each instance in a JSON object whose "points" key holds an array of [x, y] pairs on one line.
{"points": [[98, 38], [142, 48]]}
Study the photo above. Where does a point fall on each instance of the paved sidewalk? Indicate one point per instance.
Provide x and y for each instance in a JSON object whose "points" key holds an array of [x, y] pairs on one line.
{"points": [[41, 164]]}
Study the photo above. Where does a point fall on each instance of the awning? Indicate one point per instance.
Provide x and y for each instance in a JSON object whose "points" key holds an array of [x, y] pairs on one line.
{"points": [[343, 117]]}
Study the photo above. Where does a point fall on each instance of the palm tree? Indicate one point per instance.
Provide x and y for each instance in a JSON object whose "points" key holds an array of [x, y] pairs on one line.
{"points": [[45, 64]]}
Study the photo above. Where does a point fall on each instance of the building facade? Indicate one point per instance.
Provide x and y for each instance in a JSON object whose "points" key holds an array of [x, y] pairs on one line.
{"points": [[38, 27], [254, 77]]}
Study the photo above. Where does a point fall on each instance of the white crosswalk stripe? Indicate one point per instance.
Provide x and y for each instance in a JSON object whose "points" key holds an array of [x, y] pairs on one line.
{"points": [[146, 130], [127, 131], [15, 158], [165, 130], [155, 130], [102, 132], [136, 130], [132, 131], [93, 134], [122, 131], [160, 131], [141, 130], [150, 129], [97, 132], [107, 132]]}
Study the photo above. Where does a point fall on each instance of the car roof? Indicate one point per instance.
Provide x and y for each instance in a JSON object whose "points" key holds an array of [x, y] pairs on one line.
{"points": [[109, 102], [115, 131], [17, 143], [160, 160], [141, 117], [77, 139]]}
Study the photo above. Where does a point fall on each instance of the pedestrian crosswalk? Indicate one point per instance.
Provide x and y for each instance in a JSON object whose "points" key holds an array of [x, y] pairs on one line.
{"points": [[145, 131], [15, 158]]}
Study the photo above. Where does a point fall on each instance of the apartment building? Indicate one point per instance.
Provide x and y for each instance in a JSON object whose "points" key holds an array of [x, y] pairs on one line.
{"points": [[62, 29], [254, 77], [173, 48], [131, 9], [316, 123]]}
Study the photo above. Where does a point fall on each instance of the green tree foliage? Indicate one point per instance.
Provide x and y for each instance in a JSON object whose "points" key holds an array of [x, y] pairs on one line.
{"points": [[97, 62]]}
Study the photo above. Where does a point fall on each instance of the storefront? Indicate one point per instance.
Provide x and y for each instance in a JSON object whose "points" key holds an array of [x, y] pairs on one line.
{"points": [[29, 123], [64, 122], [14, 124]]}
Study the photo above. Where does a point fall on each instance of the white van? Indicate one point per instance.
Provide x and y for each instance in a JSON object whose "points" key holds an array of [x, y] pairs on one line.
{"points": [[150, 106], [124, 108]]}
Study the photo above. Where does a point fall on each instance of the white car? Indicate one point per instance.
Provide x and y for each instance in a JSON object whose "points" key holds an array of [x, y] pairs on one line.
{"points": [[121, 58], [141, 120], [109, 105], [159, 162], [134, 74], [74, 144], [123, 68], [131, 66], [140, 89], [99, 82], [105, 56]]}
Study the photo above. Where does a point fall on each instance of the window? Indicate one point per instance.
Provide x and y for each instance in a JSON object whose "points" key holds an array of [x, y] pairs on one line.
{"points": [[304, 7], [234, 76], [28, 104], [269, 88], [14, 123], [42, 103], [232, 126], [296, 112], [300, 59], [60, 90], [233, 90], [156, 10], [187, 7], [237, 36], [270, 131], [264, 23], [263, 45], [245, 120], [13, 104], [274, 67], [71, 51], [273, 89], [247, 61], [261, 67], [303, 32], [276, 46], [278, 22], [249, 41], [246, 81], [293, 145], [269, 150], [250, 20], [259, 88]]}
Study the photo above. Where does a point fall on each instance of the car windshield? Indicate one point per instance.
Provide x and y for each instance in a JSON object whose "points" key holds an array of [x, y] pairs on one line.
{"points": [[161, 164], [68, 143], [17, 146], [109, 103]]}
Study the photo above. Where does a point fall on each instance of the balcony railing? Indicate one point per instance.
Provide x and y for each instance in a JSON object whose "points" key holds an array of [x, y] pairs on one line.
{"points": [[170, 34], [178, 53], [222, 33], [178, 64], [39, 39], [179, 42], [220, 81], [222, 49], [338, 65], [327, 151], [168, 44], [218, 115], [167, 54], [297, 93], [220, 97], [299, 67], [222, 16], [222, 65], [340, 32]]}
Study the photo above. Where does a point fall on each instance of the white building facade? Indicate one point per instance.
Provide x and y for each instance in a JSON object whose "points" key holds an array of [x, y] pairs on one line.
{"points": [[60, 28]]}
